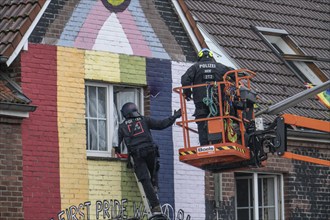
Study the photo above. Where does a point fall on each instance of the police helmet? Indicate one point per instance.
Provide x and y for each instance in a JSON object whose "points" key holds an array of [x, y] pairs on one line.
{"points": [[130, 110], [205, 52]]}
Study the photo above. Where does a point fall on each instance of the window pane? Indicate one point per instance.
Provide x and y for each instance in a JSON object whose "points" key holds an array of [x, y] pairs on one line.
{"points": [[92, 101], [242, 192], [243, 214], [269, 214], [86, 101], [102, 136], [260, 192], [87, 134], [92, 134], [101, 102], [268, 185]]}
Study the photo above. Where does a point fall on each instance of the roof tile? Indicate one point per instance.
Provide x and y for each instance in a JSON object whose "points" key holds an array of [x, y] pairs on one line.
{"points": [[307, 22], [16, 16]]}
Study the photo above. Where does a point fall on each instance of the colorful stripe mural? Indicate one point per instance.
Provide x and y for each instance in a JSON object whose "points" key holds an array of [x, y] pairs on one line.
{"points": [[93, 27], [57, 173]]}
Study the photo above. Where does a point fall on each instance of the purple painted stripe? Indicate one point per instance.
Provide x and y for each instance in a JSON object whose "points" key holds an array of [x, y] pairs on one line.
{"points": [[90, 29], [134, 35]]}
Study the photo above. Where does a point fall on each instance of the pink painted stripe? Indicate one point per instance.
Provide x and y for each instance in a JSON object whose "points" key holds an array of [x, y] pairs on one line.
{"points": [[90, 29], [134, 35]]}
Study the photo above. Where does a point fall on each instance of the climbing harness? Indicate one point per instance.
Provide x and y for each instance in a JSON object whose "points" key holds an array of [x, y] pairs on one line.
{"points": [[228, 104]]}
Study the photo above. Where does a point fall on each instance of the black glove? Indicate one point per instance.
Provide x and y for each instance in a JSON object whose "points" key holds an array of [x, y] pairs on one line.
{"points": [[187, 94], [177, 113], [117, 150]]}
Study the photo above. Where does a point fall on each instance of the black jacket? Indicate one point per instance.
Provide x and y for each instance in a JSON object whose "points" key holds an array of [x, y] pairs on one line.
{"points": [[136, 131], [204, 71]]}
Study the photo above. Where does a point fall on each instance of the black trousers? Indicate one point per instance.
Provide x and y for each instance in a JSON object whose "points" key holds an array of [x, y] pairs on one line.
{"points": [[202, 130], [145, 168], [201, 111]]}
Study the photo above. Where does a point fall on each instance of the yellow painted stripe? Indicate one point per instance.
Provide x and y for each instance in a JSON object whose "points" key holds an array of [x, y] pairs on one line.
{"points": [[71, 126]]}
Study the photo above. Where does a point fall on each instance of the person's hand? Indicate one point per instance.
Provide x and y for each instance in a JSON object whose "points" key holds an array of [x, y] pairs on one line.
{"points": [[187, 94], [177, 113], [117, 150]]}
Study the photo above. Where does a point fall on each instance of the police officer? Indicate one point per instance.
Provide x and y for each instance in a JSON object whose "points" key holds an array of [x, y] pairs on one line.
{"points": [[135, 132], [206, 70]]}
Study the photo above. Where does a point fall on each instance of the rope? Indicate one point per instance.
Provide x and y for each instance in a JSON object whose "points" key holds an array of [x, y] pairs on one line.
{"points": [[208, 101]]}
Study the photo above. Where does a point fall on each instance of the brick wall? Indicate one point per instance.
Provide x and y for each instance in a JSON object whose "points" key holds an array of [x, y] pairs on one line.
{"points": [[13, 71], [41, 188], [188, 181], [71, 126], [172, 21], [307, 190], [159, 82], [52, 22], [306, 185], [11, 174]]}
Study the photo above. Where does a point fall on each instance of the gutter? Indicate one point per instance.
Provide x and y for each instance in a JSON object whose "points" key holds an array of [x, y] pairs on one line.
{"points": [[16, 110]]}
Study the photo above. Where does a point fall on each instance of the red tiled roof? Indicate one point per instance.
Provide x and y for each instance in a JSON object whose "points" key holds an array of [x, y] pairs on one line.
{"points": [[307, 22], [16, 16]]}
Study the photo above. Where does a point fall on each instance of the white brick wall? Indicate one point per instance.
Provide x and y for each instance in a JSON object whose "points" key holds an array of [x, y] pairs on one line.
{"points": [[188, 181]]}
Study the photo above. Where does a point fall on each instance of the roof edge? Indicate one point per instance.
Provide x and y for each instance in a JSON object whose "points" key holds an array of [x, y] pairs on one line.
{"points": [[189, 24], [27, 34]]}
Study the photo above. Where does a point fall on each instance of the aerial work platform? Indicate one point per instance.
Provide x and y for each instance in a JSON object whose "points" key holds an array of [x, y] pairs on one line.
{"points": [[236, 138]]}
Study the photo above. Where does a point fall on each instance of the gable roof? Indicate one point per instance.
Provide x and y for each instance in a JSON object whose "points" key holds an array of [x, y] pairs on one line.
{"points": [[17, 20], [230, 23]]}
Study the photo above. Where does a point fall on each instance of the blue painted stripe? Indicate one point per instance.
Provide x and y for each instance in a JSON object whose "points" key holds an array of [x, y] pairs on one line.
{"points": [[159, 80], [75, 23], [147, 31]]}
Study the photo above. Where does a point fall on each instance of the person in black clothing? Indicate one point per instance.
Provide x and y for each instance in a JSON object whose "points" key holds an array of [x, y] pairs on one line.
{"points": [[206, 70], [135, 132]]}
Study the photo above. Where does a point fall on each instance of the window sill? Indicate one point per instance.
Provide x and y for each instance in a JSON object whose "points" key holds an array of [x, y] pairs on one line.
{"points": [[106, 158]]}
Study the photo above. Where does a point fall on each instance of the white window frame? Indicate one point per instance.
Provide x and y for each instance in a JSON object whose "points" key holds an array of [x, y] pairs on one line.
{"points": [[302, 66], [277, 37], [278, 196], [110, 112]]}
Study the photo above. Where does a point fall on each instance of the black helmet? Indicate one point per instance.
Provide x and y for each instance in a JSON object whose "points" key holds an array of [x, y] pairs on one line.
{"points": [[129, 110], [205, 52]]}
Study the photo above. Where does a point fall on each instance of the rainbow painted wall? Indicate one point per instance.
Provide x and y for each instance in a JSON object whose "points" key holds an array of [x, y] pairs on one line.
{"points": [[109, 45], [59, 180]]}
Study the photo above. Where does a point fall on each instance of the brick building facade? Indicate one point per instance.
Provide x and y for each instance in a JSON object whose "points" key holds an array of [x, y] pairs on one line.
{"points": [[48, 170]]}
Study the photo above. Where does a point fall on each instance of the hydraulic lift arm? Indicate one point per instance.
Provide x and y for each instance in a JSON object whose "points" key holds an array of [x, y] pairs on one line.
{"points": [[306, 123], [276, 143]]}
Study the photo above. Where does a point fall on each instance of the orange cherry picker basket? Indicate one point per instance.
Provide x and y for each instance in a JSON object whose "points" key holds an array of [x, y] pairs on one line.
{"points": [[235, 141], [230, 149]]}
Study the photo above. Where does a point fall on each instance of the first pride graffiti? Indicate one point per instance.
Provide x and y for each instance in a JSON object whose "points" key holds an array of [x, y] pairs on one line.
{"points": [[109, 209]]}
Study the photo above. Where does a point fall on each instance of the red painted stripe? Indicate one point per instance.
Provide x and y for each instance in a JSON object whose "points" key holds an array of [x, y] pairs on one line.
{"points": [[41, 179]]}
